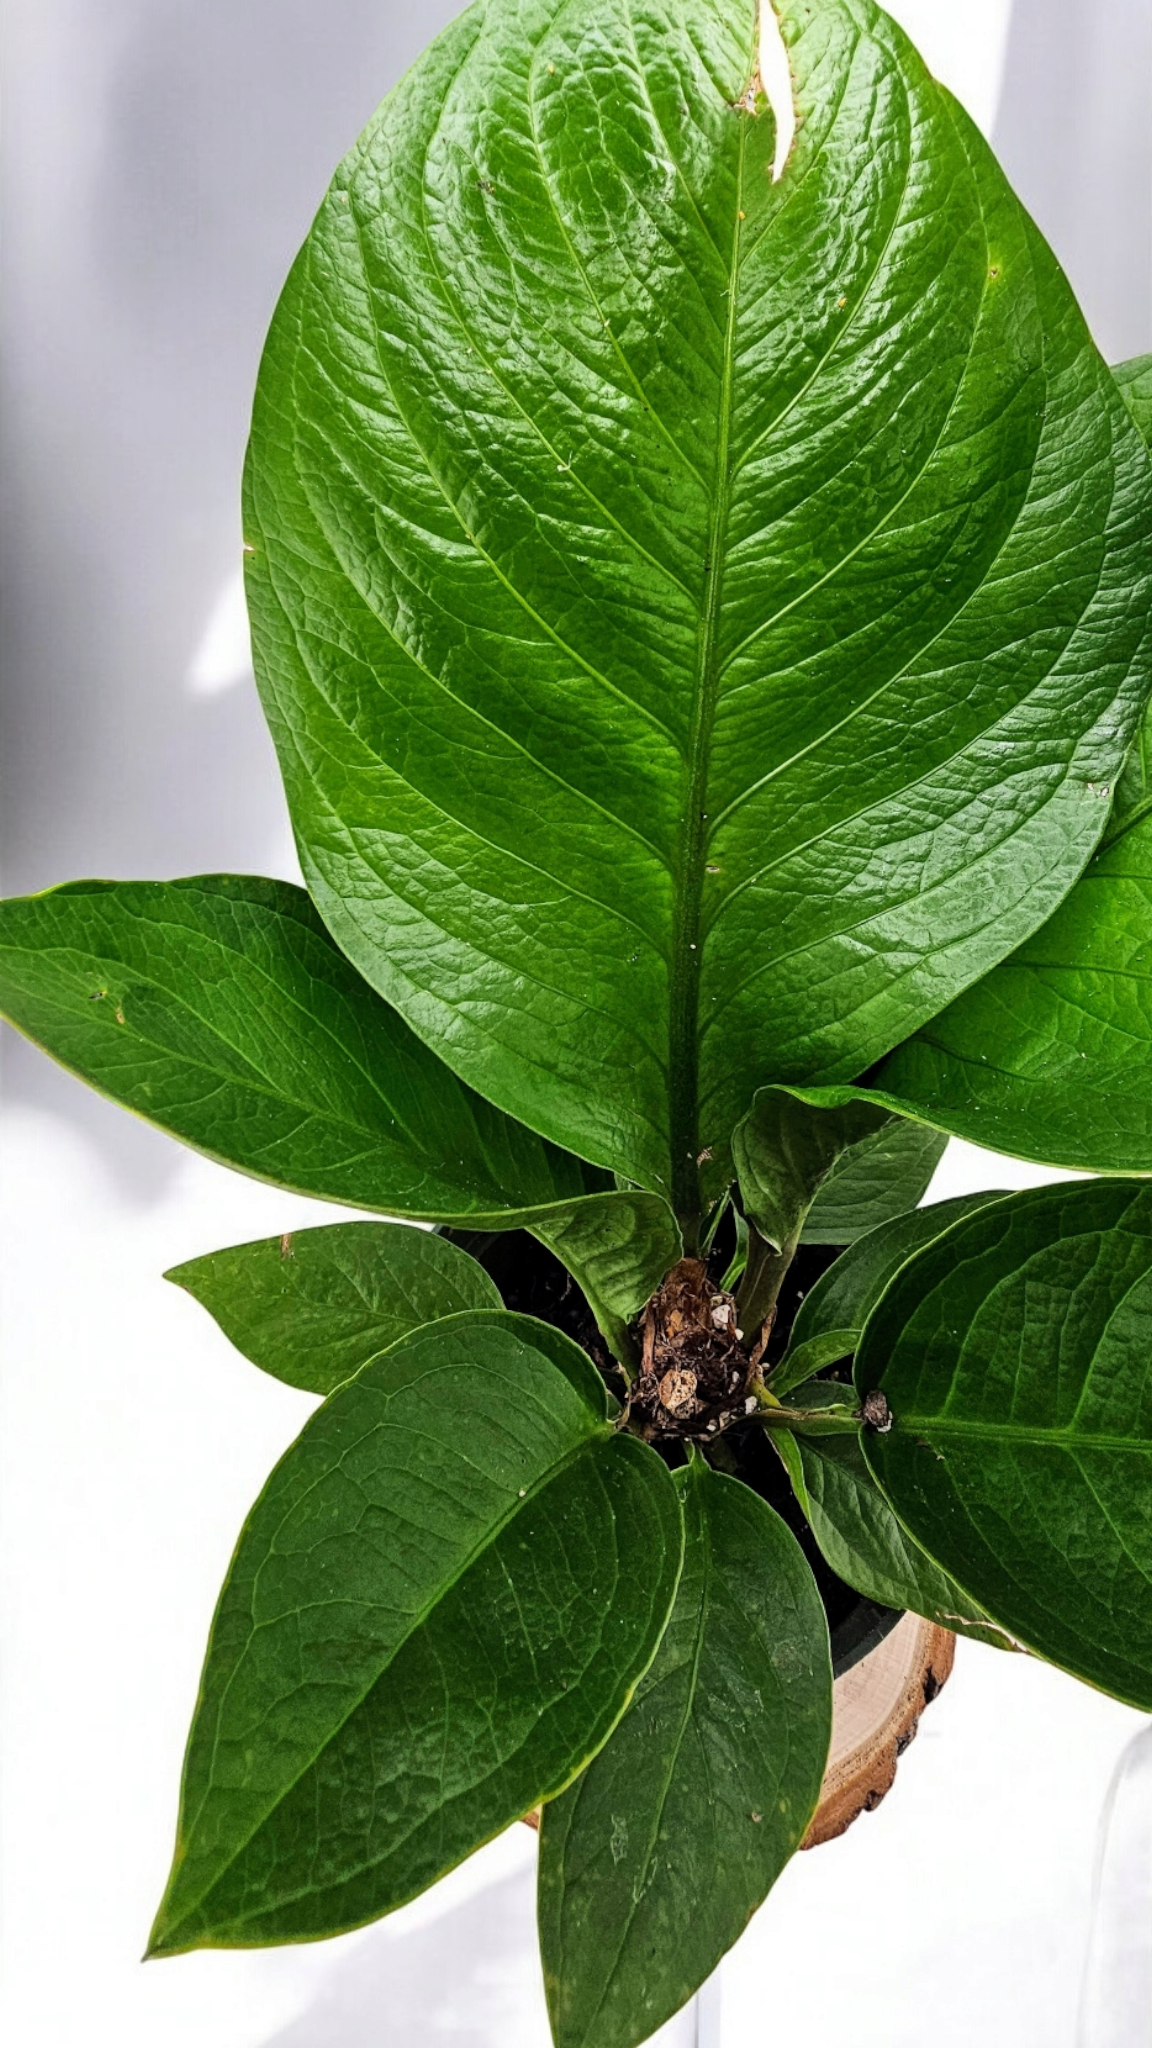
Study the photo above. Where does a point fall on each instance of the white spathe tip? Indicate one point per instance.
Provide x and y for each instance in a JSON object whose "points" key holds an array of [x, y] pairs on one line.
{"points": [[776, 78]]}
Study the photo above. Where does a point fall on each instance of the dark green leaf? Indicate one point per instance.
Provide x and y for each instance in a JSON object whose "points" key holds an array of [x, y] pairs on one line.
{"points": [[653, 1861], [784, 1151], [438, 1609], [861, 1537], [313, 1306], [832, 1315], [696, 613], [874, 1181], [1015, 1353], [619, 1247], [220, 1009]]}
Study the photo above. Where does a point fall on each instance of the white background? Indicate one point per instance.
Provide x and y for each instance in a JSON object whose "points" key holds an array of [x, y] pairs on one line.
{"points": [[164, 157]]}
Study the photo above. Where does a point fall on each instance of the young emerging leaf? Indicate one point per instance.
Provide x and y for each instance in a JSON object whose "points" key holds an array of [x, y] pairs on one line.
{"points": [[874, 1181], [438, 1609], [784, 1151], [697, 612], [859, 1534], [619, 1247], [653, 1861], [1015, 1355], [832, 1315], [313, 1306]]}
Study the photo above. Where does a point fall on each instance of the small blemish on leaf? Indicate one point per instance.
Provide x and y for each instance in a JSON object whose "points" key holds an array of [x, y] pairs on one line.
{"points": [[98, 995], [757, 1817], [119, 1014], [876, 1412], [286, 1251]]}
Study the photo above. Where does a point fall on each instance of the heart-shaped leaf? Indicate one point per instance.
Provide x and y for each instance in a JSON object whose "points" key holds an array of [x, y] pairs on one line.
{"points": [[833, 1313], [439, 1607], [220, 1009], [859, 1534], [1015, 1355], [696, 611], [313, 1306], [653, 1861]]}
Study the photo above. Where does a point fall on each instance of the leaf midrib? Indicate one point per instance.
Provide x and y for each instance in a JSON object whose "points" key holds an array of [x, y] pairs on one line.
{"points": [[1062, 1436], [688, 867], [686, 1717], [444, 1587]]}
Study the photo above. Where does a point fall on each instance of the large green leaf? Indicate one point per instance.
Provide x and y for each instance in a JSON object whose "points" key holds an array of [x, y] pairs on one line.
{"points": [[1050, 1057], [220, 1009], [858, 1533], [833, 1313], [653, 1861], [313, 1306], [439, 1607], [1015, 1353], [1135, 381], [696, 613]]}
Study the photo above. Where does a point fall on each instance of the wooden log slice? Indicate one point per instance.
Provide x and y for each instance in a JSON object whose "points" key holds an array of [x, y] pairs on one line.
{"points": [[876, 1709]]}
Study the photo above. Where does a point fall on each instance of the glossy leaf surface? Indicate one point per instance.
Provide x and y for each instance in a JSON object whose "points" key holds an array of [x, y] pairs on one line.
{"points": [[859, 1534], [1050, 1057], [653, 1861], [619, 1247], [1015, 1353], [1135, 381], [438, 1609], [314, 1306], [696, 613], [833, 1313], [784, 1151], [220, 1009], [873, 1182]]}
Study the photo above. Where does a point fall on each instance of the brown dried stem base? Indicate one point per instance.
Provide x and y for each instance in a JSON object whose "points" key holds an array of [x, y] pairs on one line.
{"points": [[696, 1376]]}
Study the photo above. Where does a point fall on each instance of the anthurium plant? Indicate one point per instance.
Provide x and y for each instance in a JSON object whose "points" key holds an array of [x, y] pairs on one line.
{"points": [[700, 575]]}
